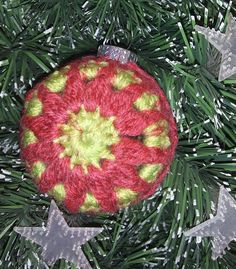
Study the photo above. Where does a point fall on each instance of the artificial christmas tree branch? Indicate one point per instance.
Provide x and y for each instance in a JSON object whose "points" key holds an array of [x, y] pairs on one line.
{"points": [[37, 36]]}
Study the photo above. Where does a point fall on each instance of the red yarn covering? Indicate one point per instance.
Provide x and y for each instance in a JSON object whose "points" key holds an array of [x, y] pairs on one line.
{"points": [[130, 153]]}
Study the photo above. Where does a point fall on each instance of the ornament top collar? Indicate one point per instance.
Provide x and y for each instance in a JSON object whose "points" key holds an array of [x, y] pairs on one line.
{"points": [[117, 53]]}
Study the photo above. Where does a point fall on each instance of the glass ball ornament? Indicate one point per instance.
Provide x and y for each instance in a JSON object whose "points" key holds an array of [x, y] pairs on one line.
{"points": [[98, 134]]}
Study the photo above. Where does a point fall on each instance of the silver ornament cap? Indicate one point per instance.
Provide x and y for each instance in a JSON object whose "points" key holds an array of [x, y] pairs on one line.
{"points": [[117, 53]]}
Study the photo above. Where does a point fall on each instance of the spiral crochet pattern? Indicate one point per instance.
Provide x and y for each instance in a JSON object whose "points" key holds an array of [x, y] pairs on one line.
{"points": [[97, 135]]}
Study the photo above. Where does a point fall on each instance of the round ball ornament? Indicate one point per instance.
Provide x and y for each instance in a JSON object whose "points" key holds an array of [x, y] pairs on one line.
{"points": [[98, 134]]}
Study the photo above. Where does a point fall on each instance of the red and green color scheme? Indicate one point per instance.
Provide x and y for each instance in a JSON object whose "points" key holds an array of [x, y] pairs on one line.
{"points": [[98, 135]]}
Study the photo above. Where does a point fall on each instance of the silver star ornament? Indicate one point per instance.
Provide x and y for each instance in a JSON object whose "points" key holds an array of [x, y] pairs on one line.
{"points": [[222, 227], [59, 240], [226, 44]]}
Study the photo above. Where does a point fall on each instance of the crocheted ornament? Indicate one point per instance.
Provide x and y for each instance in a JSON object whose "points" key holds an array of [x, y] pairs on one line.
{"points": [[97, 135]]}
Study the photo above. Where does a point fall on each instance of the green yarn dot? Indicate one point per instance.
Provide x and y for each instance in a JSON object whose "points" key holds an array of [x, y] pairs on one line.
{"points": [[125, 196], [28, 137], [58, 192], [148, 172], [34, 107], [156, 135], [91, 68], [123, 78], [37, 169], [145, 101], [161, 141], [56, 81], [90, 204]]}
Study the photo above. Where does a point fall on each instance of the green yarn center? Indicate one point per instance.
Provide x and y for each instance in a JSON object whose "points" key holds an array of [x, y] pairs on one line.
{"points": [[87, 137]]}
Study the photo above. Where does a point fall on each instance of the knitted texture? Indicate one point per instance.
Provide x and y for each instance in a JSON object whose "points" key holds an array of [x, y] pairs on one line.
{"points": [[97, 135]]}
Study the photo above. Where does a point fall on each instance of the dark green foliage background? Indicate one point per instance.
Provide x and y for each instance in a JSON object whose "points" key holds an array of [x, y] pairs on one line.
{"points": [[36, 36]]}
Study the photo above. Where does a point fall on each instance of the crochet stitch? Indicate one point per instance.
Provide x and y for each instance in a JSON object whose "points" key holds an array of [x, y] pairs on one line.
{"points": [[98, 135]]}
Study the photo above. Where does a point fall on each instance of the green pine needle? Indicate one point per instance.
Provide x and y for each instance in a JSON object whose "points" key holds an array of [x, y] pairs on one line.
{"points": [[36, 37]]}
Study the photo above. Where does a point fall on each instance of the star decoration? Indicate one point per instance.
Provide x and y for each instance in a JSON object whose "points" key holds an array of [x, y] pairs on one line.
{"points": [[59, 240], [222, 227], [225, 43]]}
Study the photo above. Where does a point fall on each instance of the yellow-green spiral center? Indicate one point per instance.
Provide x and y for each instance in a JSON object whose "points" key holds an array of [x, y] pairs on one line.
{"points": [[87, 137]]}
